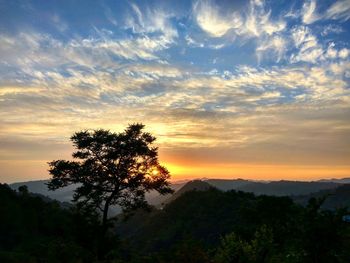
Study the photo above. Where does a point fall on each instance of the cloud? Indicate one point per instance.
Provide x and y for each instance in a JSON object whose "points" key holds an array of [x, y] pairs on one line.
{"points": [[344, 53], [331, 29], [253, 111], [253, 21], [109, 15], [61, 25], [339, 10], [308, 12], [256, 22], [212, 21], [310, 50], [276, 46], [153, 20], [32, 51]]}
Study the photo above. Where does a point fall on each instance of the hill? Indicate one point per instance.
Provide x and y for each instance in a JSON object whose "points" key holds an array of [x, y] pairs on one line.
{"points": [[195, 185], [275, 188], [227, 184], [40, 187], [286, 188], [66, 194], [36, 230], [339, 181], [335, 198], [196, 222], [203, 224]]}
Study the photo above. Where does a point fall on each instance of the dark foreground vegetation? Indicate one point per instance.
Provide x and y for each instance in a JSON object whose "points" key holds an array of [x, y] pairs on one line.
{"points": [[198, 226]]}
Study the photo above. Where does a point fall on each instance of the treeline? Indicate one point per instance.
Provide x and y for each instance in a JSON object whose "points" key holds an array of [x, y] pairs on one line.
{"points": [[216, 226], [34, 229], [199, 226]]}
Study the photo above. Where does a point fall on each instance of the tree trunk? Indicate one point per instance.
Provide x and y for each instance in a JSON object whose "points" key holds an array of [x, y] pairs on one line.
{"points": [[105, 216], [101, 246]]}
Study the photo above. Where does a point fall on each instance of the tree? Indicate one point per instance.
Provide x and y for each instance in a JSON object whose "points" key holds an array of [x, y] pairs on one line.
{"points": [[234, 249], [111, 169]]}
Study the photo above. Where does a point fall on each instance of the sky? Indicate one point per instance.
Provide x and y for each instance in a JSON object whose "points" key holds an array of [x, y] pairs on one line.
{"points": [[249, 89]]}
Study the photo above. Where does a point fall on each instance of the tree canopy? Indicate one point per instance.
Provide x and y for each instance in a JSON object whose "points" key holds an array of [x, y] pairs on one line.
{"points": [[111, 169]]}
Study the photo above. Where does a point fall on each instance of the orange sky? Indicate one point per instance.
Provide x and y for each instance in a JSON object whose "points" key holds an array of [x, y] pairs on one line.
{"points": [[26, 170], [197, 151]]}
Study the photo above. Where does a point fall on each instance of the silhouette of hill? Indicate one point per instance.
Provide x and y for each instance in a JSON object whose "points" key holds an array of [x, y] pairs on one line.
{"points": [[286, 188], [335, 198], [277, 188], [334, 180], [196, 221], [63, 194], [66, 194], [205, 214], [227, 184], [195, 185]]}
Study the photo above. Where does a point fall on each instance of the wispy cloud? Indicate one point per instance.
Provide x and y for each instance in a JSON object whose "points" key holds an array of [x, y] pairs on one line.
{"points": [[310, 50], [258, 21], [255, 22], [309, 13], [152, 21], [212, 21], [275, 45], [339, 10]]}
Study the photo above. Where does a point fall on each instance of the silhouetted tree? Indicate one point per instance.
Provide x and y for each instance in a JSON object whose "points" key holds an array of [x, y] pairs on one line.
{"points": [[111, 169]]}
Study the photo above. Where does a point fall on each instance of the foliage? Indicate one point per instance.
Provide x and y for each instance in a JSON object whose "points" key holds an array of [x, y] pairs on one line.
{"points": [[239, 227], [34, 230], [111, 169], [234, 249]]}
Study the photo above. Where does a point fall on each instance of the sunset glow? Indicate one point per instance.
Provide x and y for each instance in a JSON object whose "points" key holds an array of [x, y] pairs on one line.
{"points": [[231, 89]]}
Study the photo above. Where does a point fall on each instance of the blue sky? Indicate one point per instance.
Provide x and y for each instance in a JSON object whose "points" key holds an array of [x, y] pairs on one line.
{"points": [[224, 83]]}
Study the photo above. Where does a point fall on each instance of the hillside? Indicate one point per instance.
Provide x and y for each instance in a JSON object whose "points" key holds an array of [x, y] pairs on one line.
{"points": [[36, 230], [335, 180], [335, 198], [196, 221], [286, 188], [195, 185], [227, 184], [66, 194], [277, 188], [40, 187], [201, 225]]}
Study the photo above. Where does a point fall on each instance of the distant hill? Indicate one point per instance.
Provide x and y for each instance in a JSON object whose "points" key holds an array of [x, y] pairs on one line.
{"points": [[334, 180], [65, 194], [227, 184], [336, 198], [286, 188], [276, 188], [195, 185]]}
